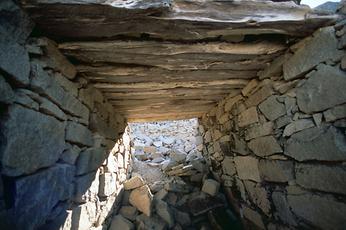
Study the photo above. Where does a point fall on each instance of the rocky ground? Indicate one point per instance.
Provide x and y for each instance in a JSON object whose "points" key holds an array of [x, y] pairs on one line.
{"points": [[170, 186]]}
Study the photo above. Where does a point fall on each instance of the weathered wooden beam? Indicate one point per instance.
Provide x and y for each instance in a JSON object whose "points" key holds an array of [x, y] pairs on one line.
{"points": [[173, 19]]}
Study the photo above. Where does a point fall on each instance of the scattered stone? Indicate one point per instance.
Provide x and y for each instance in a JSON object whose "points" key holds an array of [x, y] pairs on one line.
{"points": [[319, 93], [141, 198], [297, 126], [211, 187], [119, 222], [248, 117], [165, 212], [272, 108], [89, 160], [133, 183], [129, 212], [264, 146], [247, 168], [315, 143], [323, 39], [335, 113], [276, 170], [28, 147], [322, 177], [313, 208]]}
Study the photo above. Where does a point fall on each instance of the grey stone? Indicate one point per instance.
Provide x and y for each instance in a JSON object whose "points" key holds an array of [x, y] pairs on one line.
{"points": [[259, 130], [79, 134], [129, 212], [37, 194], [228, 166], [22, 98], [33, 141], [7, 94], [253, 216], [182, 218], [323, 212], [282, 208], [50, 108], [275, 68], [70, 155], [324, 89], [258, 195], [248, 117], [322, 143], [259, 96], [297, 126], [272, 108], [165, 212], [14, 60], [276, 170], [211, 187], [247, 168], [309, 55], [89, 160], [153, 222], [66, 84], [108, 184], [335, 113], [264, 146], [100, 126], [322, 177], [283, 121], [47, 85], [318, 119], [119, 222], [86, 187]]}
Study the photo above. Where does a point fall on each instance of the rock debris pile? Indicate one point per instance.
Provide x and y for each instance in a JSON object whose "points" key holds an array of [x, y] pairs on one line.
{"points": [[171, 187]]}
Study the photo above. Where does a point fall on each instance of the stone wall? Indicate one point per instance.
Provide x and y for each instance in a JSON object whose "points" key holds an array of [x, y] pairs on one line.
{"points": [[279, 149], [64, 151]]}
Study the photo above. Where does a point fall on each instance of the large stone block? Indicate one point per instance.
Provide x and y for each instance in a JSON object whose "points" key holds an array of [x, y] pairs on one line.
{"points": [[264, 146], [323, 89], [258, 195], [335, 113], [36, 195], [33, 141], [141, 198], [309, 55], [283, 209], [79, 134], [322, 177], [322, 143], [276, 170], [322, 212], [272, 108], [228, 166], [90, 159], [259, 130], [247, 168], [7, 94], [297, 126], [248, 117]]}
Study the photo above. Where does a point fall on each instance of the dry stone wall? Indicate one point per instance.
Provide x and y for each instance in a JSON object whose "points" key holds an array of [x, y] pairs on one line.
{"points": [[279, 149], [64, 151]]}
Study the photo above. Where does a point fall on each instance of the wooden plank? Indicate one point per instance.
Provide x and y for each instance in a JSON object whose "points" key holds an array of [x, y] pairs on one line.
{"points": [[176, 19]]}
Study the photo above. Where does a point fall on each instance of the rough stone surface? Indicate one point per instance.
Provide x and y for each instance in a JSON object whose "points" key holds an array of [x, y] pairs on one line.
{"points": [[165, 213], [129, 212], [259, 96], [258, 195], [275, 68], [119, 222], [264, 146], [79, 134], [141, 198], [211, 187], [238, 145], [322, 177], [253, 216], [323, 39], [248, 117], [322, 143], [50, 108], [70, 155], [297, 126], [107, 184], [89, 160], [338, 112], [282, 208], [32, 190], [276, 170], [228, 166], [247, 168], [272, 108], [7, 94], [133, 183], [320, 92], [25, 127], [313, 209], [259, 130], [86, 187]]}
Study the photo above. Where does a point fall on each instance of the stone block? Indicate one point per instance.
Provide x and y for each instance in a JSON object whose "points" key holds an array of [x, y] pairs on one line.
{"points": [[79, 134], [309, 55], [141, 198], [275, 68], [119, 222], [259, 130], [276, 170], [247, 168], [322, 177], [100, 126], [30, 200], [84, 216], [165, 212], [321, 211], [264, 146], [249, 87], [259, 96], [283, 209], [211, 187], [66, 84], [297, 126], [133, 183], [33, 141], [90, 159], [7, 94], [253, 216], [50, 108], [258, 195], [248, 117], [182, 218], [153, 222], [70, 155], [336, 113], [108, 184], [228, 166], [320, 143], [319, 92], [86, 187], [272, 108], [238, 145], [231, 102], [129, 212]]}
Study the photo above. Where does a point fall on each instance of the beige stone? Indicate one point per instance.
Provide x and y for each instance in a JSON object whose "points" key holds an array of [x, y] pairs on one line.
{"points": [[249, 87], [141, 198], [248, 117], [264, 146], [247, 168], [211, 187]]}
